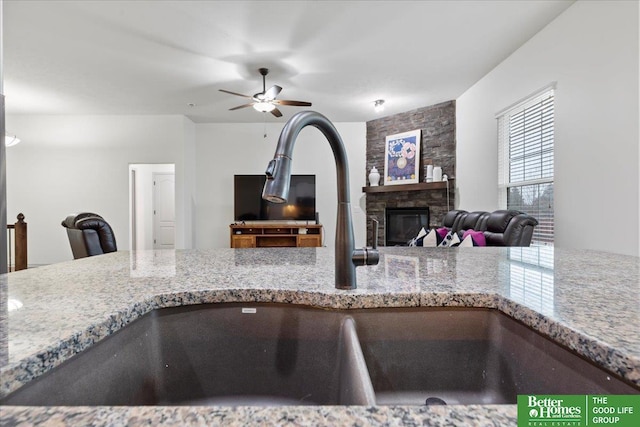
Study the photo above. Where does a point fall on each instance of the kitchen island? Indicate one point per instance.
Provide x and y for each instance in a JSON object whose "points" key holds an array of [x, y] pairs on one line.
{"points": [[586, 301]]}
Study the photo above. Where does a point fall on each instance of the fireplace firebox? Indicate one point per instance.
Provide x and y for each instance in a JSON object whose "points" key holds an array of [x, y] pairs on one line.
{"points": [[403, 224]]}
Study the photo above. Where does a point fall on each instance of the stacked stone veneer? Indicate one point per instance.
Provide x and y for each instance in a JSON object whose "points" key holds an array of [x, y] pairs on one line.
{"points": [[438, 147]]}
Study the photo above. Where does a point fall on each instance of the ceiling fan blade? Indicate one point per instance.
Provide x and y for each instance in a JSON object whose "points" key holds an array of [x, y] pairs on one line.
{"points": [[242, 106], [272, 92], [235, 93], [276, 112], [294, 103]]}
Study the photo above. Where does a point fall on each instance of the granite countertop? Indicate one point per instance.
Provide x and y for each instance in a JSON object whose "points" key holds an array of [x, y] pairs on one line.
{"points": [[585, 300]]}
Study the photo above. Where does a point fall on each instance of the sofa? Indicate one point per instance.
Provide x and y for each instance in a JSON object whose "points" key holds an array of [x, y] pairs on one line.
{"points": [[89, 234], [500, 228]]}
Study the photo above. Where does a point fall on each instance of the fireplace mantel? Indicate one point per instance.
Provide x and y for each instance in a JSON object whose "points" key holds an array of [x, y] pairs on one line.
{"points": [[441, 185]]}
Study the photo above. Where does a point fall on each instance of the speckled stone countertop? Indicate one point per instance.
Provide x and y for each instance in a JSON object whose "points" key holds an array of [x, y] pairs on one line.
{"points": [[588, 301]]}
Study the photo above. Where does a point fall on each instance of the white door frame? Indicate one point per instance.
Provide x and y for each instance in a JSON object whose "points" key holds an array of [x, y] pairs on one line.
{"points": [[141, 202]]}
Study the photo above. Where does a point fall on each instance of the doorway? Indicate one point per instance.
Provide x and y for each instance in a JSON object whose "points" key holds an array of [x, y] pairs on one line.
{"points": [[152, 206]]}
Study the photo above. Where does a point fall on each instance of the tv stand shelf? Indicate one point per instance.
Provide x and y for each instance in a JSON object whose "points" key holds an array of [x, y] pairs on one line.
{"points": [[275, 235]]}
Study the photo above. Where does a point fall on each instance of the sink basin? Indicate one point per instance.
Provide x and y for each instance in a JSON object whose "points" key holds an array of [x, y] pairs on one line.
{"points": [[227, 354], [469, 356], [273, 354]]}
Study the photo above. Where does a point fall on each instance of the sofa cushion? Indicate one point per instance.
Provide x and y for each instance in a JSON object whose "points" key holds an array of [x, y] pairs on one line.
{"points": [[473, 221], [452, 219], [498, 220]]}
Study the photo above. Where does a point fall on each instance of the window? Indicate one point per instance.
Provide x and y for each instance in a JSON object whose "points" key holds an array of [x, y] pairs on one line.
{"points": [[525, 149], [531, 277]]}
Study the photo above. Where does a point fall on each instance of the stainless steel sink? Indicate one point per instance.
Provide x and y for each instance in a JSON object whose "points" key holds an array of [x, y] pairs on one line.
{"points": [[270, 354]]}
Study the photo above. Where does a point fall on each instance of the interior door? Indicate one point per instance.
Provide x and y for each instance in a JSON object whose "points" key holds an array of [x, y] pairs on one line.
{"points": [[164, 210]]}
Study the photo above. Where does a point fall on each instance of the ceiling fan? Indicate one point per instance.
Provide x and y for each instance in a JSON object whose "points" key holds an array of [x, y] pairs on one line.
{"points": [[266, 101]]}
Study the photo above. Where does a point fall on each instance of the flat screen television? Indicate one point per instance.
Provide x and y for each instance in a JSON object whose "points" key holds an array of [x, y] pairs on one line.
{"points": [[249, 205]]}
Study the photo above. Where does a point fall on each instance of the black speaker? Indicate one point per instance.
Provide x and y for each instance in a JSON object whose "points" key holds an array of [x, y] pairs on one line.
{"points": [[317, 218]]}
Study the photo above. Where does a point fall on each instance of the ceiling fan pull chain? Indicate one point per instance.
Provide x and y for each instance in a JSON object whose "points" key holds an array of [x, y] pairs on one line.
{"points": [[264, 116]]}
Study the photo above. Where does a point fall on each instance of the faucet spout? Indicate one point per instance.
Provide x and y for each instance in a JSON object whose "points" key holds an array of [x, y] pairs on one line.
{"points": [[276, 189]]}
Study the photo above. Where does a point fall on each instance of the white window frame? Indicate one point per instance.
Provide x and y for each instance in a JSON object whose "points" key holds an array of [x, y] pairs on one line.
{"points": [[544, 234]]}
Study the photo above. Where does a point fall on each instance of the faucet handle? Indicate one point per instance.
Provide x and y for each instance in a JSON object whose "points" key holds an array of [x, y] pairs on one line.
{"points": [[376, 224], [366, 255]]}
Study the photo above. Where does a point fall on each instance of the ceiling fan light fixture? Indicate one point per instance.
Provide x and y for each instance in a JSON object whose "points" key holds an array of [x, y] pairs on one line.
{"points": [[264, 107], [265, 101], [378, 105]]}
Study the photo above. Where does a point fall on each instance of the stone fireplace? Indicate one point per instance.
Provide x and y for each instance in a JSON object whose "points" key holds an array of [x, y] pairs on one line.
{"points": [[438, 148]]}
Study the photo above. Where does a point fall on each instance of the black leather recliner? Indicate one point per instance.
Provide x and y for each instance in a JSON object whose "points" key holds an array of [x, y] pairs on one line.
{"points": [[500, 228], [89, 235], [476, 220], [452, 219], [509, 228]]}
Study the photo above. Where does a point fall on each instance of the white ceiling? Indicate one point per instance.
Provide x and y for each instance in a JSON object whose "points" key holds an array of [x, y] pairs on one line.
{"points": [[156, 57]]}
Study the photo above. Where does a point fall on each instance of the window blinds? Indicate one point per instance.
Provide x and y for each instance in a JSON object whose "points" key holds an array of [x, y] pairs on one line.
{"points": [[526, 139]]}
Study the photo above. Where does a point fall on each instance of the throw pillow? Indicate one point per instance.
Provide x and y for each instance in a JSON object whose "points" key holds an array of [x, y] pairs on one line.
{"points": [[432, 239], [417, 241], [476, 236], [450, 240], [442, 232], [467, 242]]}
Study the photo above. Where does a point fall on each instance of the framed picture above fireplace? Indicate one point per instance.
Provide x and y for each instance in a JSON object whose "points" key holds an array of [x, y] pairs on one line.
{"points": [[402, 158]]}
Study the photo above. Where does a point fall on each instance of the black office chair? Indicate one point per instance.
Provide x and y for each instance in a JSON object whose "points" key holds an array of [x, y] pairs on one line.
{"points": [[89, 235]]}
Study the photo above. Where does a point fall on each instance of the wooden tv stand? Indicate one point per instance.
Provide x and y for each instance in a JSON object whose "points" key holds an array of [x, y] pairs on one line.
{"points": [[274, 235]]}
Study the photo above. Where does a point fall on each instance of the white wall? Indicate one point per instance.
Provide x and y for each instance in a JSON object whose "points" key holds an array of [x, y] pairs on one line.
{"points": [[591, 51], [224, 150], [69, 164]]}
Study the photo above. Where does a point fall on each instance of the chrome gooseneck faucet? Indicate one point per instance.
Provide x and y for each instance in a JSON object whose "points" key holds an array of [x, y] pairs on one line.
{"points": [[276, 190]]}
